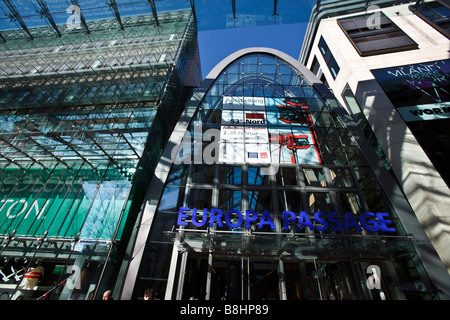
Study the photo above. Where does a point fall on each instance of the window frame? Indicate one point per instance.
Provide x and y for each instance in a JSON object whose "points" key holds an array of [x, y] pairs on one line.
{"points": [[429, 7], [328, 57], [389, 28]]}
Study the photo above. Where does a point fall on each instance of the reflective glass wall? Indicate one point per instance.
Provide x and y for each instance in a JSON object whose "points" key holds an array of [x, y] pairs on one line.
{"points": [[83, 121], [269, 197]]}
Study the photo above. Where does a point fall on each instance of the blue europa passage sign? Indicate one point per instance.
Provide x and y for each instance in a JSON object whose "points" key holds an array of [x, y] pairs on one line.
{"points": [[332, 221]]}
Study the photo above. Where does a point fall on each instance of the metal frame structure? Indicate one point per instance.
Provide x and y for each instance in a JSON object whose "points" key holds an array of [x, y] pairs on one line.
{"points": [[84, 114]]}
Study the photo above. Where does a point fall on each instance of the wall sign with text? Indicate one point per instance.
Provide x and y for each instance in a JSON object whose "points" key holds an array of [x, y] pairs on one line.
{"points": [[321, 221], [419, 92]]}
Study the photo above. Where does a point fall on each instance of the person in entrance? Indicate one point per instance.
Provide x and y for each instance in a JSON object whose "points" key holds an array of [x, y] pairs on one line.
{"points": [[149, 294]]}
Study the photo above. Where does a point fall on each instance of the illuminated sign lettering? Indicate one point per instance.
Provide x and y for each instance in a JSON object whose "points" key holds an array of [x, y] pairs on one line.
{"points": [[332, 221]]}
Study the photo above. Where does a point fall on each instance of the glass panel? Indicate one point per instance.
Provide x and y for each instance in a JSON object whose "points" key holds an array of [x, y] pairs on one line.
{"points": [[158, 261], [226, 280], [290, 200], [105, 211], [230, 175], [194, 287], [178, 175], [199, 198], [252, 69], [350, 202], [286, 176], [319, 201], [314, 177], [341, 177], [172, 198], [257, 177], [337, 281], [203, 174], [268, 60], [208, 116], [260, 200], [229, 200], [365, 178], [264, 283]]}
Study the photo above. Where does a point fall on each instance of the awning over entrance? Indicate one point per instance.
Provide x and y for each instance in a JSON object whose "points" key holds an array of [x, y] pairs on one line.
{"points": [[291, 245]]}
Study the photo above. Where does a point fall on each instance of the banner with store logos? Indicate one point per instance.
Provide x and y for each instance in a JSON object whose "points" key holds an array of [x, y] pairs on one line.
{"points": [[245, 136], [58, 206]]}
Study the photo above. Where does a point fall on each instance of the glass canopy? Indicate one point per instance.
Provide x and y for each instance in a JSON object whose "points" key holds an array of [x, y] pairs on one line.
{"points": [[211, 14]]}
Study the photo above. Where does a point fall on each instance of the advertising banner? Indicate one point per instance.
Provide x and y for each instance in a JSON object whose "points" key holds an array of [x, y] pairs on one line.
{"points": [[421, 95], [245, 136], [419, 92], [425, 112], [60, 206]]}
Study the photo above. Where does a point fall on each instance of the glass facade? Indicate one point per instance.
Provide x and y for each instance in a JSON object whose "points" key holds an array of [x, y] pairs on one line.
{"points": [[210, 14], [269, 197], [83, 120]]}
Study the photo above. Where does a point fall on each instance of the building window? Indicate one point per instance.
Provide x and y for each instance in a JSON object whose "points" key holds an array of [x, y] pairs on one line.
{"points": [[199, 74], [355, 110], [315, 66], [371, 40], [352, 105], [436, 14], [328, 57]]}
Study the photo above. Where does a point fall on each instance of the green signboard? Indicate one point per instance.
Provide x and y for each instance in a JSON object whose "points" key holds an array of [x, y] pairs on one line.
{"points": [[61, 203]]}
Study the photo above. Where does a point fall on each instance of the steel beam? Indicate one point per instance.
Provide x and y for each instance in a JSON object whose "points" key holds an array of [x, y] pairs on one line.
{"points": [[155, 14], [193, 10], [15, 16], [113, 5], [44, 12], [83, 21], [233, 5]]}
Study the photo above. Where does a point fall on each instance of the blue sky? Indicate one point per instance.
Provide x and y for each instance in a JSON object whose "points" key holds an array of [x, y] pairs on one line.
{"points": [[215, 45]]}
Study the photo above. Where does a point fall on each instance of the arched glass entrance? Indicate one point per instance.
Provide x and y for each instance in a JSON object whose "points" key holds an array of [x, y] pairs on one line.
{"points": [[268, 196]]}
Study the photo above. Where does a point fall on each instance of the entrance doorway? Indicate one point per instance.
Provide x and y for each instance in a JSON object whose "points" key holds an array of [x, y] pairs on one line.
{"points": [[239, 278], [215, 277], [244, 279]]}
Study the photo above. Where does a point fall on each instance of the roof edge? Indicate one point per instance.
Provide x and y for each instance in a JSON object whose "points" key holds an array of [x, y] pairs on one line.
{"points": [[215, 72]]}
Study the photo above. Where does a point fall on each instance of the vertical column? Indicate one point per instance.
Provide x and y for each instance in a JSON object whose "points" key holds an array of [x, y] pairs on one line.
{"points": [[74, 280], [173, 269], [208, 277], [281, 280]]}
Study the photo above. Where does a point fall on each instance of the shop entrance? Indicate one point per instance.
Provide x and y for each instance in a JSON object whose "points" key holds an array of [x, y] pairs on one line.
{"points": [[211, 277], [244, 279], [235, 278]]}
